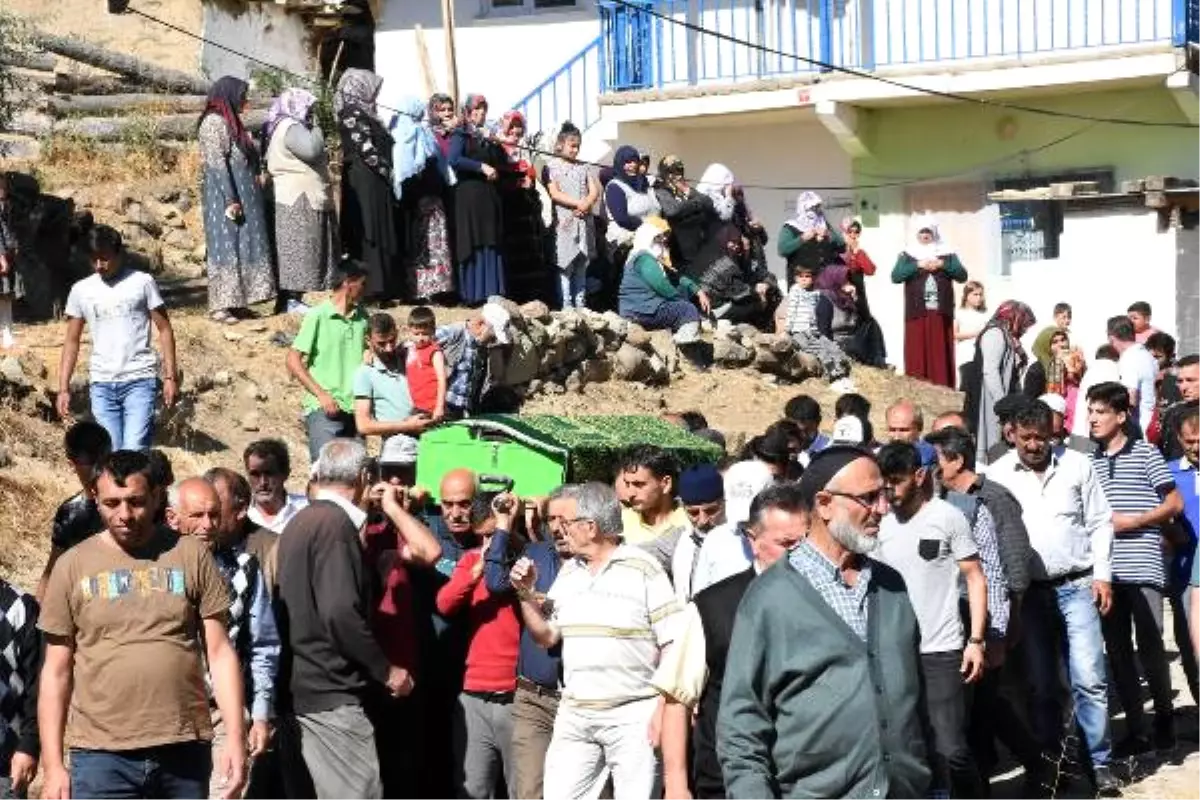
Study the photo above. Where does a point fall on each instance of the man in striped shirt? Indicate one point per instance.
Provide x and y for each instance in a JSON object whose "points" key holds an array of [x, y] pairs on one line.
{"points": [[613, 610], [1141, 490]]}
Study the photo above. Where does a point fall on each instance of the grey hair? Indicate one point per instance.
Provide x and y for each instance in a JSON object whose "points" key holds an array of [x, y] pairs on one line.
{"points": [[598, 502], [173, 495], [341, 462]]}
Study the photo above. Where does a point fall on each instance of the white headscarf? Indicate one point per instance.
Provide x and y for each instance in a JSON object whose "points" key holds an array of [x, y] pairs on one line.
{"points": [[643, 241], [809, 216], [713, 183], [935, 249]]}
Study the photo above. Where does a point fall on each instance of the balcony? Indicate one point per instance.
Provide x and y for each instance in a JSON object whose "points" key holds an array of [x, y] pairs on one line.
{"points": [[663, 44]]}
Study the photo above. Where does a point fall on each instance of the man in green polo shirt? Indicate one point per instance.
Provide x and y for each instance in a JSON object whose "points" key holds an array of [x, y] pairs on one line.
{"points": [[326, 354]]}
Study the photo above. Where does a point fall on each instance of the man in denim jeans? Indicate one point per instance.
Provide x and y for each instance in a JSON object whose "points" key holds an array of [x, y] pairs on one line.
{"points": [[118, 304], [326, 354], [1071, 531], [131, 617]]}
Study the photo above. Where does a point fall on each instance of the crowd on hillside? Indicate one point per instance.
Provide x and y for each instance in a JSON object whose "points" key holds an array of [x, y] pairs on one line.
{"points": [[825, 612]]}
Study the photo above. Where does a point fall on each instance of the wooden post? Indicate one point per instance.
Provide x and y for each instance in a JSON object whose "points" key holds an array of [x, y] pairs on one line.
{"points": [[451, 57]]}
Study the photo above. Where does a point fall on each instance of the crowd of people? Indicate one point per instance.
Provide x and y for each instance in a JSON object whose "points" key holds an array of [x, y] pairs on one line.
{"points": [[821, 614]]}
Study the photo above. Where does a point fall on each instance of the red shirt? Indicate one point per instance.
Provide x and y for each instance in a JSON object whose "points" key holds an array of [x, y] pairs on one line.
{"points": [[422, 378], [493, 630], [393, 621], [859, 262]]}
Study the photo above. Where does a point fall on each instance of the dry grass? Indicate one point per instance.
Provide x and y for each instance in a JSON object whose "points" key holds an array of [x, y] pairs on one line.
{"points": [[78, 161]]}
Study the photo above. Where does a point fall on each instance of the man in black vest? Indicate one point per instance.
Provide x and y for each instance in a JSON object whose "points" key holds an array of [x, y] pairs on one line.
{"points": [[690, 675]]}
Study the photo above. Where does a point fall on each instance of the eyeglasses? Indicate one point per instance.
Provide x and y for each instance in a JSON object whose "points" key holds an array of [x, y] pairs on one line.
{"points": [[868, 500], [569, 522]]}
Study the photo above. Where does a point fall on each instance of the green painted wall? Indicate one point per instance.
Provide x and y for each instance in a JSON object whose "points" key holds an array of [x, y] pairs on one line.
{"points": [[936, 140]]}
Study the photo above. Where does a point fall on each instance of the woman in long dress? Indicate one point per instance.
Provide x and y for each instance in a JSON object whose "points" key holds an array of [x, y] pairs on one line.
{"points": [[368, 214], [305, 235], [928, 270], [479, 231], [419, 175], [238, 243], [1001, 362]]}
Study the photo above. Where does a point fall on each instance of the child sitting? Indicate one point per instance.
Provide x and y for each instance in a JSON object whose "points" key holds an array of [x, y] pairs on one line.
{"points": [[801, 325]]}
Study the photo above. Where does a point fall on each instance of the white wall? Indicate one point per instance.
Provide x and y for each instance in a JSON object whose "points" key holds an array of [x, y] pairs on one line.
{"points": [[264, 31], [503, 58]]}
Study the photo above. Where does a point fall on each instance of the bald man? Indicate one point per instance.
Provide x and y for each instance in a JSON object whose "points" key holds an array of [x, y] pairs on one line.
{"points": [[443, 659], [904, 421], [194, 509]]}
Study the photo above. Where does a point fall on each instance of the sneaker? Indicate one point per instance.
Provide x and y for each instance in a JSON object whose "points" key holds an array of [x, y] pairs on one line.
{"points": [[296, 307], [1107, 784]]}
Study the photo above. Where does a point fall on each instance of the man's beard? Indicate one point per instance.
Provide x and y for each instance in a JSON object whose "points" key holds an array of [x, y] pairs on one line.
{"points": [[852, 538]]}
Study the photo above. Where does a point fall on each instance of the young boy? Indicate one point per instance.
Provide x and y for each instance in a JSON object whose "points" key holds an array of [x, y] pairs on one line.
{"points": [[1139, 314], [425, 364], [77, 518], [118, 305], [801, 324], [1062, 316], [465, 345]]}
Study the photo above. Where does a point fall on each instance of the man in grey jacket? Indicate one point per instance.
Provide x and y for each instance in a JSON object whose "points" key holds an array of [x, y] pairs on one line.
{"points": [[822, 689]]}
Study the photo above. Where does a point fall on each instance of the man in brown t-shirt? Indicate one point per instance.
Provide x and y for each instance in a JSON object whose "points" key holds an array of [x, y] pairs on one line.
{"points": [[126, 615]]}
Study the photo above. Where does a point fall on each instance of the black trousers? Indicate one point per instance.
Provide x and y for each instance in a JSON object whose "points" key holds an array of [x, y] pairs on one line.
{"points": [[947, 701], [1137, 613]]}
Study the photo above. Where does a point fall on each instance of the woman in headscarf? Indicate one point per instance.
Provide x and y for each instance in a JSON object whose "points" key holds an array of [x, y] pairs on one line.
{"points": [[999, 364], [629, 201], [754, 235], [479, 231], [525, 231], [1045, 371], [305, 240], [694, 216], [655, 295], [368, 214], [928, 269], [808, 239], [419, 174], [238, 242], [842, 321], [738, 293]]}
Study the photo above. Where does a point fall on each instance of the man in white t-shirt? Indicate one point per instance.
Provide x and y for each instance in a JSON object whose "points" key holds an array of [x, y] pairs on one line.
{"points": [[1139, 370], [268, 466], [118, 304]]}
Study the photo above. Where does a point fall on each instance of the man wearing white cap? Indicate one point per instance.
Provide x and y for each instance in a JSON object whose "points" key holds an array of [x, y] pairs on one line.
{"points": [[465, 347]]}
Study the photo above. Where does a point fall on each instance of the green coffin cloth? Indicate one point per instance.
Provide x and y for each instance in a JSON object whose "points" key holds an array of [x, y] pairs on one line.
{"points": [[595, 443]]}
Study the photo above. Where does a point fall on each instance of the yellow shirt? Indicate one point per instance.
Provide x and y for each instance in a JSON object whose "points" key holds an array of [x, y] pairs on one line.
{"points": [[638, 532]]}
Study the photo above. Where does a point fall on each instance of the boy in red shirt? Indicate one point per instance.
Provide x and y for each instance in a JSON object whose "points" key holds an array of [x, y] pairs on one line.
{"points": [[425, 365]]}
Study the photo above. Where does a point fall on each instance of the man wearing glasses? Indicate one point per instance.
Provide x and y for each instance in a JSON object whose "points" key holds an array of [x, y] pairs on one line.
{"points": [[822, 686], [613, 609]]}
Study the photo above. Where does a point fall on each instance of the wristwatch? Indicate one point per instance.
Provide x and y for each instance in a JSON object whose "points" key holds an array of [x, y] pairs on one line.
{"points": [[981, 642]]}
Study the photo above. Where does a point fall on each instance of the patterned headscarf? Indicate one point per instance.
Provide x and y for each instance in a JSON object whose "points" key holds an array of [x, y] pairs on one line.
{"points": [[433, 119], [1014, 318], [225, 99], [504, 132], [472, 102], [357, 89], [809, 216], [290, 104]]}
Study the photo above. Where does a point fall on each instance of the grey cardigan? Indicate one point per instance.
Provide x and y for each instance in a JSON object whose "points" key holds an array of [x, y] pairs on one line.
{"points": [[808, 709]]}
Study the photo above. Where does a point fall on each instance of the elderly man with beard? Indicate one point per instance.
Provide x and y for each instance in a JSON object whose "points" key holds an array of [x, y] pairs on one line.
{"points": [[535, 704], [822, 689], [691, 675]]}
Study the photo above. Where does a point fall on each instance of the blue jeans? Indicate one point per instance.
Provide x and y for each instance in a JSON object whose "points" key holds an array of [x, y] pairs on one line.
{"points": [[572, 283], [1066, 617], [126, 410], [170, 770], [323, 429]]}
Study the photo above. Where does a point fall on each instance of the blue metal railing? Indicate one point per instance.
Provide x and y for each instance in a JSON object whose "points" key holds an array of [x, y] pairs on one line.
{"points": [[571, 93], [644, 50]]}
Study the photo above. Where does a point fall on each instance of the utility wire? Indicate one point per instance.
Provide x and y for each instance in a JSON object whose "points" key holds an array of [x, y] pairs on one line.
{"points": [[888, 184], [984, 101]]}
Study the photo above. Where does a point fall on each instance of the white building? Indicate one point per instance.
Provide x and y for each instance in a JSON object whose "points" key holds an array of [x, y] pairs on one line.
{"points": [[795, 94]]}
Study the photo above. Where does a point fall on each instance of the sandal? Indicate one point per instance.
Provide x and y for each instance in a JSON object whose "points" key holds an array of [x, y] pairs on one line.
{"points": [[223, 318]]}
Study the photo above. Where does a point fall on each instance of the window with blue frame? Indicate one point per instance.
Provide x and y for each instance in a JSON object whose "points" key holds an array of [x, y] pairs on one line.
{"points": [[1030, 229]]}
